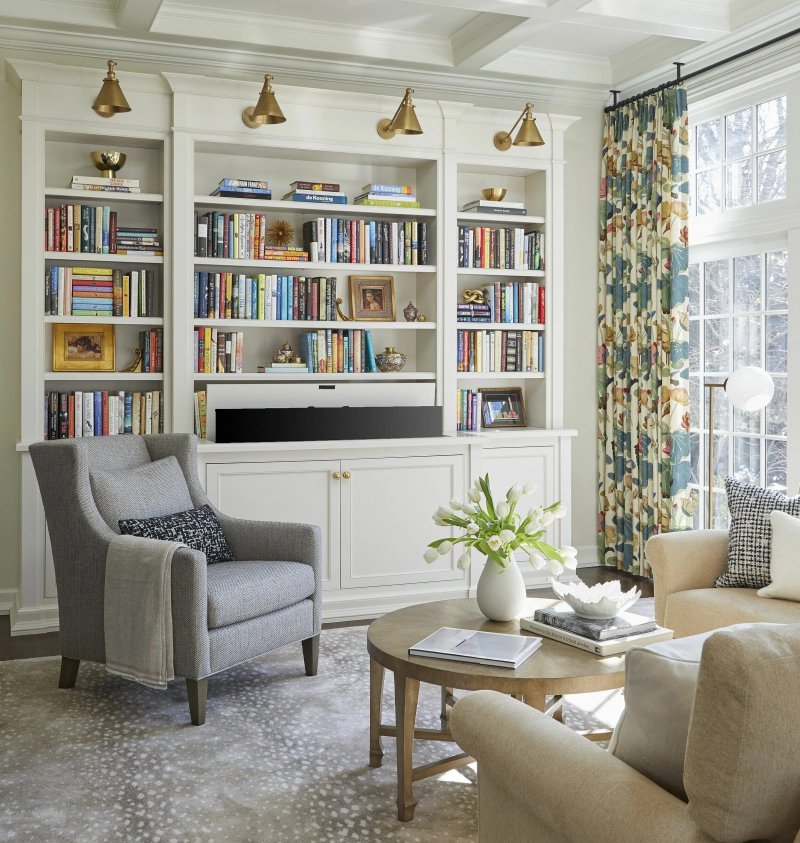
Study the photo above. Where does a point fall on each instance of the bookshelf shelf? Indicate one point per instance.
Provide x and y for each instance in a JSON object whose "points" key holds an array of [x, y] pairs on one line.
{"points": [[499, 326], [105, 197], [503, 273], [305, 267], [103, 377], [302, 323], [500, 220], [107, 320], [502, 376], [256, 377], [98, 257], [310, 209]]}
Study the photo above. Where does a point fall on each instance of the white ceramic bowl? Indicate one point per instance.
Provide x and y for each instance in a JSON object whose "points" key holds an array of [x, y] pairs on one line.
{"points": [[600, 602]]}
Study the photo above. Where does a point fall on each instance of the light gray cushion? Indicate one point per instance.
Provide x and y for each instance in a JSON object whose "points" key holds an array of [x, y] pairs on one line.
{"points": [[660, 682], [149, 490], [239, 591]]}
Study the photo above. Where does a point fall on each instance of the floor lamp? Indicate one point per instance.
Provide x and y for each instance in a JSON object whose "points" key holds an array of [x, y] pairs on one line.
{"points": [[749, 388]]}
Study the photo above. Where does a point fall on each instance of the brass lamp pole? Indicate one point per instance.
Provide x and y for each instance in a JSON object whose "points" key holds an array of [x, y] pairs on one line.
{"points": [[710, 503]]}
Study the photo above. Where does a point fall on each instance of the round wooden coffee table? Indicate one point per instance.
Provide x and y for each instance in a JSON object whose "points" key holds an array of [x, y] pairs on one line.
{"points": [[552, 671]]}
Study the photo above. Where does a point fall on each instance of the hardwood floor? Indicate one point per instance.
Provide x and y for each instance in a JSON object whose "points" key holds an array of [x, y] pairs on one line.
{"points": [[36, 646]]}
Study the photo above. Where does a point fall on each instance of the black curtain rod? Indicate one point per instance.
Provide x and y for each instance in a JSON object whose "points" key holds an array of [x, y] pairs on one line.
{"points": [[679, 78]]}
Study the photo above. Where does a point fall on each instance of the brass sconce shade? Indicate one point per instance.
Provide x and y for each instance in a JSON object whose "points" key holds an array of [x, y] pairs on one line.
{"points": [[266, 110], [404, 121], [528, 134], [110, 100]]}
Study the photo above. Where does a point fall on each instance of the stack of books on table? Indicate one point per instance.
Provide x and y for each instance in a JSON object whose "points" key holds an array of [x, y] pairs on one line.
{"points": [[601, 637], [484, 206], [109, 185], [320, 193], [496, 649], [243, 189], [387, 196]]}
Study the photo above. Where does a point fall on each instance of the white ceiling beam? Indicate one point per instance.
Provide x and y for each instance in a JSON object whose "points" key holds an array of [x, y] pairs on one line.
{"points": [[137, 15], [519, 8], [677, 19]]}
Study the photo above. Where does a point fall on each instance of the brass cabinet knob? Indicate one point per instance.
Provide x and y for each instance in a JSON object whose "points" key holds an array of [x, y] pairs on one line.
{"points": [[346, 475], [336, 475]]}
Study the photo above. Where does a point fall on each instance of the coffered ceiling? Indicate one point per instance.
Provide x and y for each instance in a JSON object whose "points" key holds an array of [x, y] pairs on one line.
{"points": [[583, 46]]}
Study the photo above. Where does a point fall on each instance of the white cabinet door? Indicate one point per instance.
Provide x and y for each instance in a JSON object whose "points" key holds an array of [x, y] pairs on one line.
{"points": [[304, 492], [387, 507]]}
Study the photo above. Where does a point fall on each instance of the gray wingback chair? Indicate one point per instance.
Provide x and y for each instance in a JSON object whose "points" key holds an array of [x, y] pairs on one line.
{"points": [[222, 614]]}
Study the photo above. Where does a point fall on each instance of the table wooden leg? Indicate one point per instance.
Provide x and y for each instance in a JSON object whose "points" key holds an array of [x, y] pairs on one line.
{"points": [[447, 698], [536, 701], [376, 673], [406, 693]]}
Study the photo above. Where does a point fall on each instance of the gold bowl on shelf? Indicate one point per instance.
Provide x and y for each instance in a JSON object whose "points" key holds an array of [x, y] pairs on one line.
{"points": [[494, 194], [108, 161], [390, 360]]}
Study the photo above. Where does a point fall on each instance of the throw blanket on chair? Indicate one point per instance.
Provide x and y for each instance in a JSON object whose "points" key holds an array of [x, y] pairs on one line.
{"points": [[138, 609]]}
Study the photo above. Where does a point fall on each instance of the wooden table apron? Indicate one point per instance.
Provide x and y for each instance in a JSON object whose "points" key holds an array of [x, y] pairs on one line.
{"points": [[554, 670]]}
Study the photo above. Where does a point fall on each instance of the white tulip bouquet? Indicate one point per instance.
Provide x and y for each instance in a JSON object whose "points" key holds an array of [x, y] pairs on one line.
{"points": [[499, 529]]}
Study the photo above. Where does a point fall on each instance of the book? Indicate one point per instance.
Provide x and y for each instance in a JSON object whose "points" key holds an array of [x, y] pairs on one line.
{"points": [[497, 211], [488, 203], [561, 616], [109, 188], [324, 186], [318, 198], [385, 203], [387, 188], [243, 194], [103, 181], [249, 184], [496, 649], [612, 647]]}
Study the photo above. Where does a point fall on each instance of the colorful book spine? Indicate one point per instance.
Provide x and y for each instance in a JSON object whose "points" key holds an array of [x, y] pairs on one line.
{"points": [[499, 351], [467, 410], [218, 352], [328, 351], [101, 291], [94, 228], [490, 247], [79, 414], [512, 302]]}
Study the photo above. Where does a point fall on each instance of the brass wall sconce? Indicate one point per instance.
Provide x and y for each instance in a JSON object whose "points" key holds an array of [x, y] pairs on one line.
{"points": [[110, 100], [404, 121], [528, 134], [266, 110]]}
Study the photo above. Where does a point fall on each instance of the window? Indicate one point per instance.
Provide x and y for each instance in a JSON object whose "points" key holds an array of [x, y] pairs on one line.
{"points": [[739, 159], [738, 317]]}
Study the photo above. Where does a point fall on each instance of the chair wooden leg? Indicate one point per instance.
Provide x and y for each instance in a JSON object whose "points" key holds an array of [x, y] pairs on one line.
{"points": [[197, 689], [311, 655], [69, 672]]}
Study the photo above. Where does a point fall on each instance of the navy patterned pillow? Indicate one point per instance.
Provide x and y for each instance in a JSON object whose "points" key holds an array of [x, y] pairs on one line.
{"points": [[197, 528], [751, 533]]}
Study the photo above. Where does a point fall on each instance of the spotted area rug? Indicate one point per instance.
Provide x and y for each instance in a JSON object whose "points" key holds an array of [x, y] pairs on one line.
{"points": [[282, 757]]}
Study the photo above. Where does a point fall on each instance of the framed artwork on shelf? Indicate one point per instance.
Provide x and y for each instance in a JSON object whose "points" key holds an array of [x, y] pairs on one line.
{"points": [[372, 298], [83, 348], [503, 407]]}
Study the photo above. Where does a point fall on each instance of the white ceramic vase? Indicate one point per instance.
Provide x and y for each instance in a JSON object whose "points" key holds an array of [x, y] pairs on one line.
{"points": [[501, 591]]}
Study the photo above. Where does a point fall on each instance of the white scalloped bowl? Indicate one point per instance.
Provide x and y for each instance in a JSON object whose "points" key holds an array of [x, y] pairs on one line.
{"points": [[599, 602]]}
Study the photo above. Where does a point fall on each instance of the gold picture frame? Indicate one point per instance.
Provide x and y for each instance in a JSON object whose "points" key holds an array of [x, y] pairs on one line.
{"points": [[503, 407], [372, 298], [83, 348]]}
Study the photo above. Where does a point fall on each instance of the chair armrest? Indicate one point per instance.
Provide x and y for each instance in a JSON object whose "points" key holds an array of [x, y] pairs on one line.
{"points": [[685, 560], [559, 780], [271, 541], [190, 613]]}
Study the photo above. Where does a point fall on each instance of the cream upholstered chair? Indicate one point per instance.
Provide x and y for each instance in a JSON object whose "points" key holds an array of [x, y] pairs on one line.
{"points": [[539, 782], [222, 614]]}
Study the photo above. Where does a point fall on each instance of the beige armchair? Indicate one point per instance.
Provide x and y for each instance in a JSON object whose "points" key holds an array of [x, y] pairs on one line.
{"points": [[539, 782], [685, 566]]}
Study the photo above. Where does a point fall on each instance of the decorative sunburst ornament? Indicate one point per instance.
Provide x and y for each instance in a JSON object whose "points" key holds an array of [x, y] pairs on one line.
{"points": [[280, 234]]}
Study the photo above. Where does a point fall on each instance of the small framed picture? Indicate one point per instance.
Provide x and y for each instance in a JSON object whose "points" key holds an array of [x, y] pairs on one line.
{"points": [[503, 407], [83, 348], [372, 297]]}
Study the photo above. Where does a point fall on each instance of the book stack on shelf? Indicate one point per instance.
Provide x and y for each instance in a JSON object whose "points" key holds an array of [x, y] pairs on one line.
{"points": [[468, 405], [602, 637], [500, 351], [343, 351], [240, 236], [226, 295], [100, 291], [387, 196], [243, 189], [132, 240], [151, 343], [200, 412], [340, 240], [319, 193], [70, 415], [485, 206], [474, 312], [94, 228], [218, 351], [107, 185], [482, 247], [507, 301]]}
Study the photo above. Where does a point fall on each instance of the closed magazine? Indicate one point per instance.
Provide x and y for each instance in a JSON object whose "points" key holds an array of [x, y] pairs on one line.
{"points": [[613, 647], [496, 649], [625, 623]]}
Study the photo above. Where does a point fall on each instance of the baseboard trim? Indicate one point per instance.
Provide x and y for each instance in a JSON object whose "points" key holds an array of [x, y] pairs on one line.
{"points": [[28, 621], [587, 556], [8, 600]]}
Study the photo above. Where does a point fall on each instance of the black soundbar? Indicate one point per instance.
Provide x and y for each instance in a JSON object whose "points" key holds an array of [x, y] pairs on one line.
{"points": [[305, 424]]}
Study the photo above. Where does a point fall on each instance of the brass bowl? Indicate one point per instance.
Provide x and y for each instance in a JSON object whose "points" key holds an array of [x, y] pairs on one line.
{"points": [[390, 360], [494, 194], [108, 161]]}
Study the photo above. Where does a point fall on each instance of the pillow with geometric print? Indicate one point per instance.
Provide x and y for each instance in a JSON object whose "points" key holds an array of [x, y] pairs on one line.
{"points": [[750, 533]]}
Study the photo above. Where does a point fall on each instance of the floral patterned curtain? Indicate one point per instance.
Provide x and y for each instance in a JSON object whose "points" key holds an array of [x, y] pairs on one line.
{"points": [[643, 327]]}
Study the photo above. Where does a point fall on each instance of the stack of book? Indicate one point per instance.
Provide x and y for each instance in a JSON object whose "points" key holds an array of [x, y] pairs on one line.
{"points": [[468, 410], [473, 313], [331, 351], [320, 193], [500, 351], [239, 236], [243, 189], [387, 196], [70, 415], [602, 637], [132, 240], [109, 185], [499, 248], [282, 368], [340, 240], [484, 206], [100, 291], [512, 302], [200, 413], [218, 351]]}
